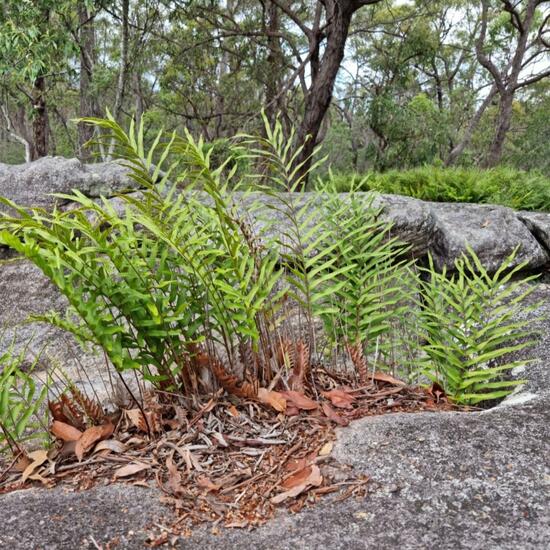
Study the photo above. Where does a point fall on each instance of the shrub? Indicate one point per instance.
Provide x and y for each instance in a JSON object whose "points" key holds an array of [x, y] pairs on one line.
{"points": [[504, 186]]}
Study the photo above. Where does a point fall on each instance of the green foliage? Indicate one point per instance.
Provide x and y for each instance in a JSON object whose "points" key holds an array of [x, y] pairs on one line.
{"points": [[20, 400], [505, 186], [471, 324], [163, 278], [373, 284], [162, 273]]}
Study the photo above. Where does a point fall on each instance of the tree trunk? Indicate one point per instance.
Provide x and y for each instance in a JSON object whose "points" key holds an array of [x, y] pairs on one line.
{"points": [[503, 125], [457, 151], [88, 103], [320, 92], [39, 119], [273, 99], [123, 70]]}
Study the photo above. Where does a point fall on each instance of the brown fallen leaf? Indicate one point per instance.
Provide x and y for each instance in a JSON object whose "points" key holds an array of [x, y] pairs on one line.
{"points": [[326, 449], [232, 410], [110, 445], [64, 431], [297, 477], [272, 398], [339, 398], [206, 483], [299, 400], [314, 479], [131, 469], [331, 414], [383, 377], [38, 458], [90, 437]]}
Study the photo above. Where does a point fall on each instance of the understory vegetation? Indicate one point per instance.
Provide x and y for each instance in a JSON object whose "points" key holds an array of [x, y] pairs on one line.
{"points": [[504, 186], [195, 291]]}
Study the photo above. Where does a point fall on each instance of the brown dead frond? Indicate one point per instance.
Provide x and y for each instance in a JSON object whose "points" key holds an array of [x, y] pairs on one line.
{"points": [[230, 382], [359, 362], [92, 409]]}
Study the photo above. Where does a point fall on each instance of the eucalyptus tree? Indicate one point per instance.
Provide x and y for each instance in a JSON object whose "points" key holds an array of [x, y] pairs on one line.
{"points": [[512, 47], [34, 54]]}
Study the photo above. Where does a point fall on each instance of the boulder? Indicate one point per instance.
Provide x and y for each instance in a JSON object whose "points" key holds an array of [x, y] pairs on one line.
{"points": [[493, 232], [538, 223], [32, 183], [25, 291]]}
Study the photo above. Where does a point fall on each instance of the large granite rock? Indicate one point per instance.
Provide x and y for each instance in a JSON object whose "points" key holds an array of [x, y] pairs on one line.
{"points": [[33, 183], [438, 480], [538, 224], [25, 291]]}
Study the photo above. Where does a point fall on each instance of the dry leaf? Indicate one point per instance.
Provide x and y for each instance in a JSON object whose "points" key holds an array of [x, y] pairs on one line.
{"points": [[204, 482], [131, 469], [339, 398], [233, 410], [331, 414], [383, 377], [298, 477], [38, 458], [64, 431], [273, 399], [326, 449], [314, 479], [136, 418], [110, 445], [300, 401], [90, 437], [174, 477]]}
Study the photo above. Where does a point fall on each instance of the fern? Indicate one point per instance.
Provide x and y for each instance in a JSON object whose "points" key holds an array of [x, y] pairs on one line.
{"points": [[20, 400], [471, 325]]}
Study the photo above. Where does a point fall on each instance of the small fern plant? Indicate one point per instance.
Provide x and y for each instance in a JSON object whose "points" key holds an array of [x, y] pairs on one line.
{"points": [[471, 324], [21, 400], [373, 283]]}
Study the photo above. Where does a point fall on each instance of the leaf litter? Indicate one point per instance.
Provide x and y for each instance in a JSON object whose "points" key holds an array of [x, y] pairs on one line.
{"points": [[227, 461]]}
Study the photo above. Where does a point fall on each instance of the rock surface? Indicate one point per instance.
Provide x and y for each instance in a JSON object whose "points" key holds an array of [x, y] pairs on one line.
{"points": [[438, 480], [494, 232], [25, 291], [32, 183]]}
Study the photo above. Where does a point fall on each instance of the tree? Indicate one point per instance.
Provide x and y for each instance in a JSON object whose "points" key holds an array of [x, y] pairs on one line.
{"points": [[509, 52]]}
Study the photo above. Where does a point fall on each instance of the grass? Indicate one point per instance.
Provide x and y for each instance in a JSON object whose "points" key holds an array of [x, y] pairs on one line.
{"points": [[504, 186]]}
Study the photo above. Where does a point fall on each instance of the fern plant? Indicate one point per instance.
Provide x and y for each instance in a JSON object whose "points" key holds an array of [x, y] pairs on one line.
{"points": [[20, 400], [470, 323], [164, 276], [374, 284]]}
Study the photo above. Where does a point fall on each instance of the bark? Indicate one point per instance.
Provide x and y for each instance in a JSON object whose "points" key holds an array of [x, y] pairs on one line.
{"points": [[39, 119], [320, 92], [124, 65], [123, 71], [273, 99], [504, 121], [457, 151], [88, 101]]}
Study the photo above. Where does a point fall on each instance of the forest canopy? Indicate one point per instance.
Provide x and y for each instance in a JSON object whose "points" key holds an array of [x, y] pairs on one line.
{"points": [[382, 84]]}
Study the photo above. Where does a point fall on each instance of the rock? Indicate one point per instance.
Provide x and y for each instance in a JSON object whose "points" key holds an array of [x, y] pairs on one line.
{"points": [[32, 184], [538, 223], [412, 221], [25, 291], [493, 232]]}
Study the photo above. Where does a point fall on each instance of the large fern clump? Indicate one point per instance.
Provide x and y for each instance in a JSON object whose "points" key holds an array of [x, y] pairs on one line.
{"points": [[211, 278]]}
